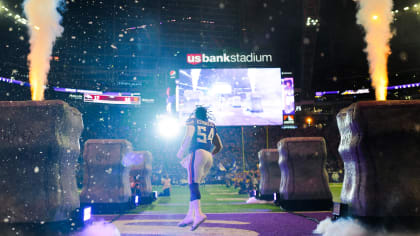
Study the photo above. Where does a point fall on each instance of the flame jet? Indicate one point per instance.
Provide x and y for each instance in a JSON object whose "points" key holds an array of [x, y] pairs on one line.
{"points": [[375, 16], [44, 28]]}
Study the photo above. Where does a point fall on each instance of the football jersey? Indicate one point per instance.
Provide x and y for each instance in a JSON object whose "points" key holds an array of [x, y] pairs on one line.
{"points": [[204, 132]]}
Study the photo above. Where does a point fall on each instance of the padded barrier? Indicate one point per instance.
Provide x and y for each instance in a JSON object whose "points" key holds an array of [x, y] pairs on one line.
{"points": [[140, 163], [304, 179], [380, 148], [106, 183], [39, 146], [270, 174]]}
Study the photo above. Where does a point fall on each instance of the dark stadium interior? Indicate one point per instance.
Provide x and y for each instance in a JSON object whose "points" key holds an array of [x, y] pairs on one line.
{"points": [[133, 45], [130, 46]]}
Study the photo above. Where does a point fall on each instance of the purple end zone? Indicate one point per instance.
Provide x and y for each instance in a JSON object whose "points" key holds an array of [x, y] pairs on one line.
{"points": [[262, 223]]}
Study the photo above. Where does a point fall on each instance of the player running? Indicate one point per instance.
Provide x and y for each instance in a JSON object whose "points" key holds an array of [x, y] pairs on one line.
{"points": [[200, 137]]}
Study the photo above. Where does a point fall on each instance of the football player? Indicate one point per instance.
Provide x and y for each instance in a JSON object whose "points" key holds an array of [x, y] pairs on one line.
{"points": [[202, 142]]}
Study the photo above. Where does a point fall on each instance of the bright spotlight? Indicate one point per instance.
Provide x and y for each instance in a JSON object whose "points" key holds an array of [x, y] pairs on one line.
{"points": [[309, 120], [87, 213], [168, 126], [375, 17]]}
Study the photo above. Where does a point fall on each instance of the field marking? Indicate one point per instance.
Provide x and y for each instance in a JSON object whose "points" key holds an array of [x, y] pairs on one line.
{"points": [[213, 193], [232, 199], [174, 230], [227, 222], [220, 190], [130, 227], [217, 213]]}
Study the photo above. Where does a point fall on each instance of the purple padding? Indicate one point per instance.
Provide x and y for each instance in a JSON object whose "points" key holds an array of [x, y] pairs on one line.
{"points": [[380, 148]]}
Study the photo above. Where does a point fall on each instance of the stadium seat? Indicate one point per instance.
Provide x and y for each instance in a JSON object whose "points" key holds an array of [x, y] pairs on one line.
{"points": [[304, 180], [270, 174], [106, 184], [39, 149], [380, 148]]}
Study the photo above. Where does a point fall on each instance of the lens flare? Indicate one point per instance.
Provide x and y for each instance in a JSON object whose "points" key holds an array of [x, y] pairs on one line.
{"points": [[376, 16]]}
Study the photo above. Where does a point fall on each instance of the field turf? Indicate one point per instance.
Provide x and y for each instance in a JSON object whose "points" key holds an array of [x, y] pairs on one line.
{"points": [[215, 199]]}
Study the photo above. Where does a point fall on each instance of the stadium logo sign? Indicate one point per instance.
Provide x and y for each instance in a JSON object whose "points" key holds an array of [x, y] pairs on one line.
{"points": [[195, 59]]}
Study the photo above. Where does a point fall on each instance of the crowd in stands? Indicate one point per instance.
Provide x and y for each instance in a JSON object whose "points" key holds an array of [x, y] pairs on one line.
{"points": [[134, 185], [237, 165], [238, 157], [246, 182]]}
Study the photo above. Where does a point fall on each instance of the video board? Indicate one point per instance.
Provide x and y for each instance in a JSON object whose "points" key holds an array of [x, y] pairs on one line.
{"points": [[236, 97]]}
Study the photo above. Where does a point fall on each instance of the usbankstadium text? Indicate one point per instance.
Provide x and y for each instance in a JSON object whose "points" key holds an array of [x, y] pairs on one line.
{"points": [[233, 58]]}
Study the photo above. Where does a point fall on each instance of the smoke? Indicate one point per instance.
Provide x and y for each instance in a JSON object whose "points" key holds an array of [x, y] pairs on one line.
{"points": [[44, 27], [131, 159], [100, 228], [375, 16], [350, 227], [340, 228]]}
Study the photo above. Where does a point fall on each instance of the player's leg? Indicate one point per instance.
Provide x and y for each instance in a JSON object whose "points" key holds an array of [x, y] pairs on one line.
{"points": [[189, 218], [207, 166], [202, 161]]}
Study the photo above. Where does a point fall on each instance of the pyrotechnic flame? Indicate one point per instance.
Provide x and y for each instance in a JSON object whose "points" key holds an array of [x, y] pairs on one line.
{"points": [[44, 16], [375, 16]]}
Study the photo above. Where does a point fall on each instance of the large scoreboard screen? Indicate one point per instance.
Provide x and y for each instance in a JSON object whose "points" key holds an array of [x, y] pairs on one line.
{"points": [[124, 100], [236, 97]]}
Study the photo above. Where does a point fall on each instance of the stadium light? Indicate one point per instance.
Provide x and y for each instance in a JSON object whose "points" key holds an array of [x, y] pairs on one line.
{"points": [[168, 126], [309, 120], [87, 213]]}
